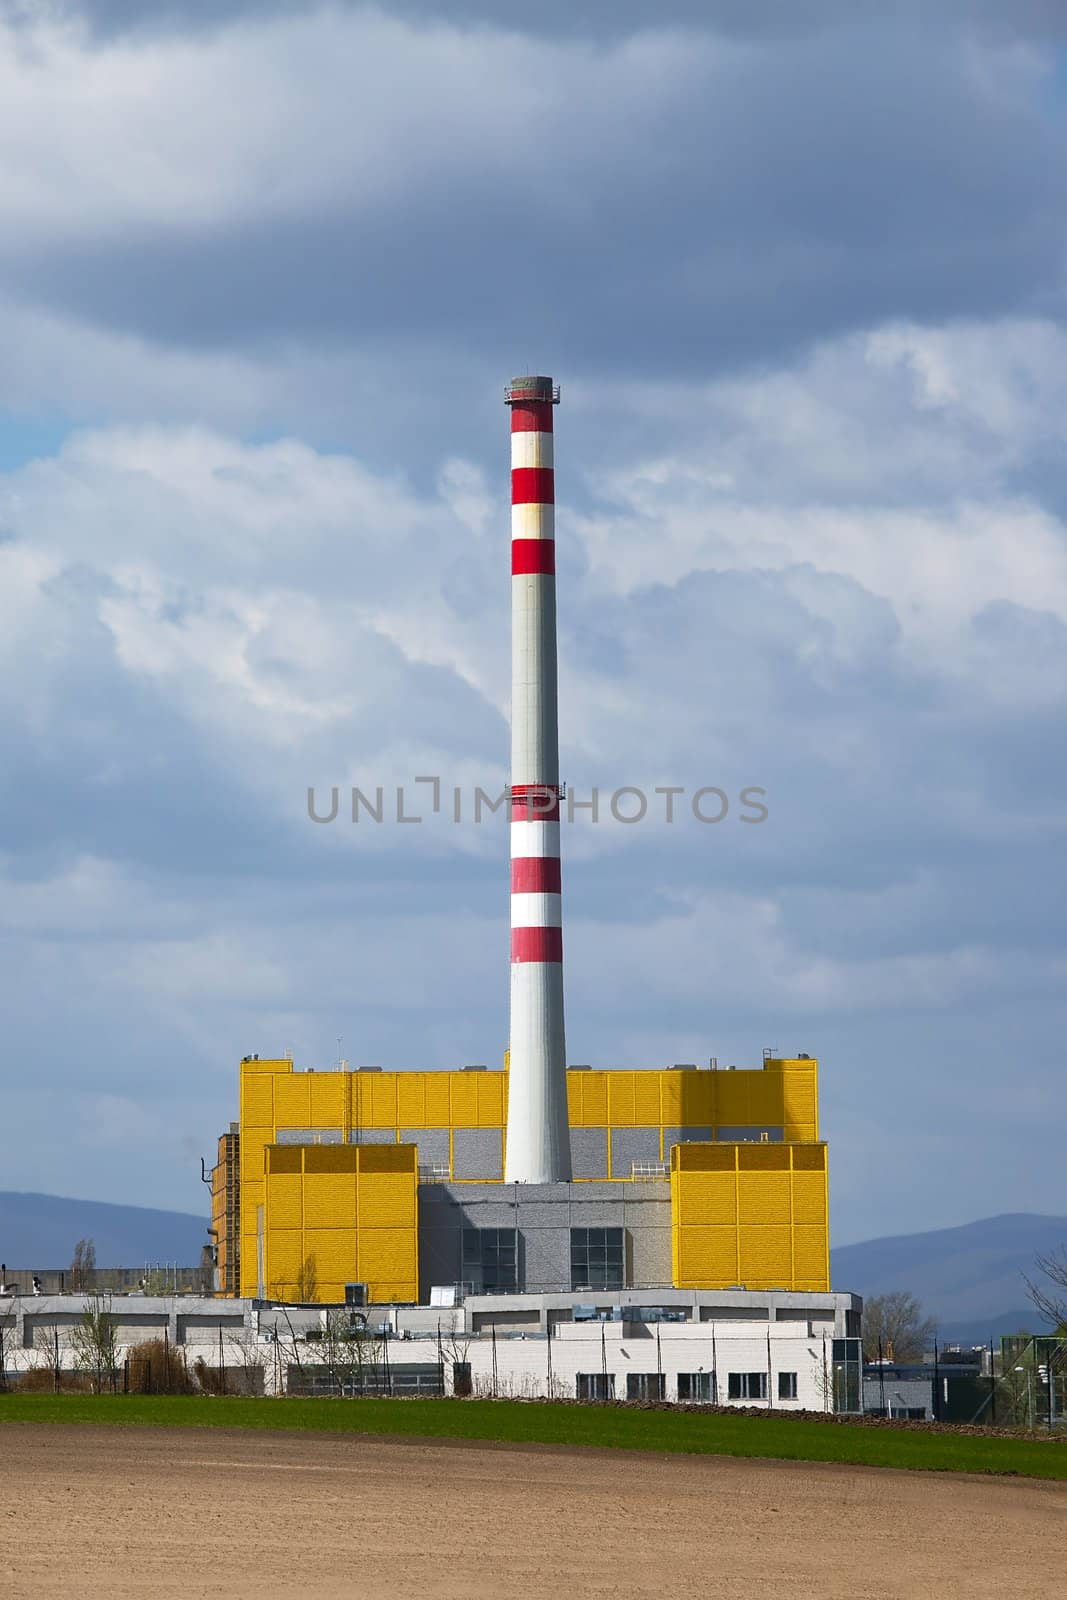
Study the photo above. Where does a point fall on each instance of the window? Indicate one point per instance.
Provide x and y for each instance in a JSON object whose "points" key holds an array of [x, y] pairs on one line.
{"points": [[747, 1386], [645, 1386], [846, 1375], [787, 1386], [489, 1259], [596, 1385], [597, 1256], [696, 1386]]}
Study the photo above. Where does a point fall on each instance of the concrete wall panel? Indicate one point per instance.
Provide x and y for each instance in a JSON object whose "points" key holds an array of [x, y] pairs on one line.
{"points": [[432, 1143], [589, 1152], [632, 1144], [477, 1153]]}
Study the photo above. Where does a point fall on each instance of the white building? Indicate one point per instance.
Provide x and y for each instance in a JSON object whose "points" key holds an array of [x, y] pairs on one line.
{"points": [[784, 1350]]}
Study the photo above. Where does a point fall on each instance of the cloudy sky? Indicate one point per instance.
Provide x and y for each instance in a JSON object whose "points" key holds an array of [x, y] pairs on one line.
{"points": [[264, 269]]}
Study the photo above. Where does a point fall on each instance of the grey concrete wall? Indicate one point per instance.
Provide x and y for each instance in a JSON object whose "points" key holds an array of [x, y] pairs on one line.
{"points": [[478, 1153], [589, 1152], [310, 1136], [632, 1144], [432, 1143], [544, 1215], [32, 1322]]}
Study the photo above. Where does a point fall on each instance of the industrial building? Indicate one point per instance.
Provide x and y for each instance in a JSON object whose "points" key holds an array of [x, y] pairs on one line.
{"points": [[788, 1351], [690, 1178], [608, 1188]]}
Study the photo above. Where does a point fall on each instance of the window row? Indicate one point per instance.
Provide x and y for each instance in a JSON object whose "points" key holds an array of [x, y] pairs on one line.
{"points": [[490, 1259], [753, 1386], [691, 1386]]}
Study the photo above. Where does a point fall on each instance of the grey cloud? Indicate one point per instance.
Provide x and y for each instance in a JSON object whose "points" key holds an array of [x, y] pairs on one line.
{"points": [[900, 913], [592, 17], [776, 199]]}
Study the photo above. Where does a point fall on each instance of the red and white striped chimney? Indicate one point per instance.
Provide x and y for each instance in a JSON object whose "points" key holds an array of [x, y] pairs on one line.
{"points": [[538, 1144]]}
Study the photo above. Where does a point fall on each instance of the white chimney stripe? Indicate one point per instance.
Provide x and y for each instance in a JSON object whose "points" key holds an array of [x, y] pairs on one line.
{"points": [[534, 839], [536, 911], [531, 449], [533, 520]]}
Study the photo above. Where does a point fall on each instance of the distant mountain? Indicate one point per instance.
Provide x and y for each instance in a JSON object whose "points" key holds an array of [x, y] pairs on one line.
{"points": [[40, 1231], [970, 1278]]}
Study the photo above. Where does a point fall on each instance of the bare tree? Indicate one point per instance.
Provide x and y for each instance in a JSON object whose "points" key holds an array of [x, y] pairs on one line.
{"points": [[1050, 1297], [83, 1266], [342, 1346], [1014, 1389], [342, 1350], [248, 1358], [455, 1350], [824, 1374], [895, 1326], [94, 1343], [287, 1351]]}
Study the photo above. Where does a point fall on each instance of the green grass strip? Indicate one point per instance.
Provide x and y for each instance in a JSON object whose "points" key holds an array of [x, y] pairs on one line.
{"points": [[518, 1422]]}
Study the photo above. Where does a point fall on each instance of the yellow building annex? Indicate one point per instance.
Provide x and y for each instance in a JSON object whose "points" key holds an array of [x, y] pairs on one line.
{"points": [[318, 1186]]}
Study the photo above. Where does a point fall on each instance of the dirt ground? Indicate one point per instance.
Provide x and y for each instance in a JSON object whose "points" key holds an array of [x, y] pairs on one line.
{"points": [[139, 1512]]}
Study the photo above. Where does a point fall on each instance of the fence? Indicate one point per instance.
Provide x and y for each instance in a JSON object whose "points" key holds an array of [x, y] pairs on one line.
{"points": [[401, 1379]]}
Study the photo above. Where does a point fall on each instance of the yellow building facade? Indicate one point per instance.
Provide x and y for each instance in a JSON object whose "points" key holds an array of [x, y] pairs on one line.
{"points": [[335, 1214], [330, 1164], [749, 1214]]}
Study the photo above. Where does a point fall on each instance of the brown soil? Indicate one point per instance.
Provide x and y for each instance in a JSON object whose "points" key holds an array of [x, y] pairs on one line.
{"points": [[139, 1512]]}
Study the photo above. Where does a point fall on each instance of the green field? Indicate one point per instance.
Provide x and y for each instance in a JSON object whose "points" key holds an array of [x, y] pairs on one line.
{"points": [[518, 1422]]}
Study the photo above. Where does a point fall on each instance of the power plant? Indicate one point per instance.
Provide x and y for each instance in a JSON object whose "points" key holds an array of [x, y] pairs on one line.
{"points": [[537, 1200]]}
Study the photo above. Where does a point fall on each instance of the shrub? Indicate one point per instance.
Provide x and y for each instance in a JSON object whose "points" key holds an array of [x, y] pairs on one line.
{"points": [[155, 1367], [42, 1380], [210, 1380]]}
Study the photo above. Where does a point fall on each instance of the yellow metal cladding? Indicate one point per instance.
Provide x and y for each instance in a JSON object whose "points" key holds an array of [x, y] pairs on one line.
{"points": [[337, 1214], [459, 1112], [750, 1214], [783, 1093]]}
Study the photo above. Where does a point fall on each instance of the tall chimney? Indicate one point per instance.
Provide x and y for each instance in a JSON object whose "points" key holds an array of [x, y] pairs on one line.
{"points": [[538, 1147]]}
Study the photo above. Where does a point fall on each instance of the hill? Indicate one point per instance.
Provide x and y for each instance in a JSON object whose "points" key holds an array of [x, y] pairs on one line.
{"points": [[40, 1231], [969, 1278]]}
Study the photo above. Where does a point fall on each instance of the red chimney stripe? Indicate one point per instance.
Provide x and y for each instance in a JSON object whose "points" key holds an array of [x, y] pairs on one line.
{"points": [[531, 416], [537, 944], [533, 486], [534, 788], [539, 807], [532, 555], [535, 875]]}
